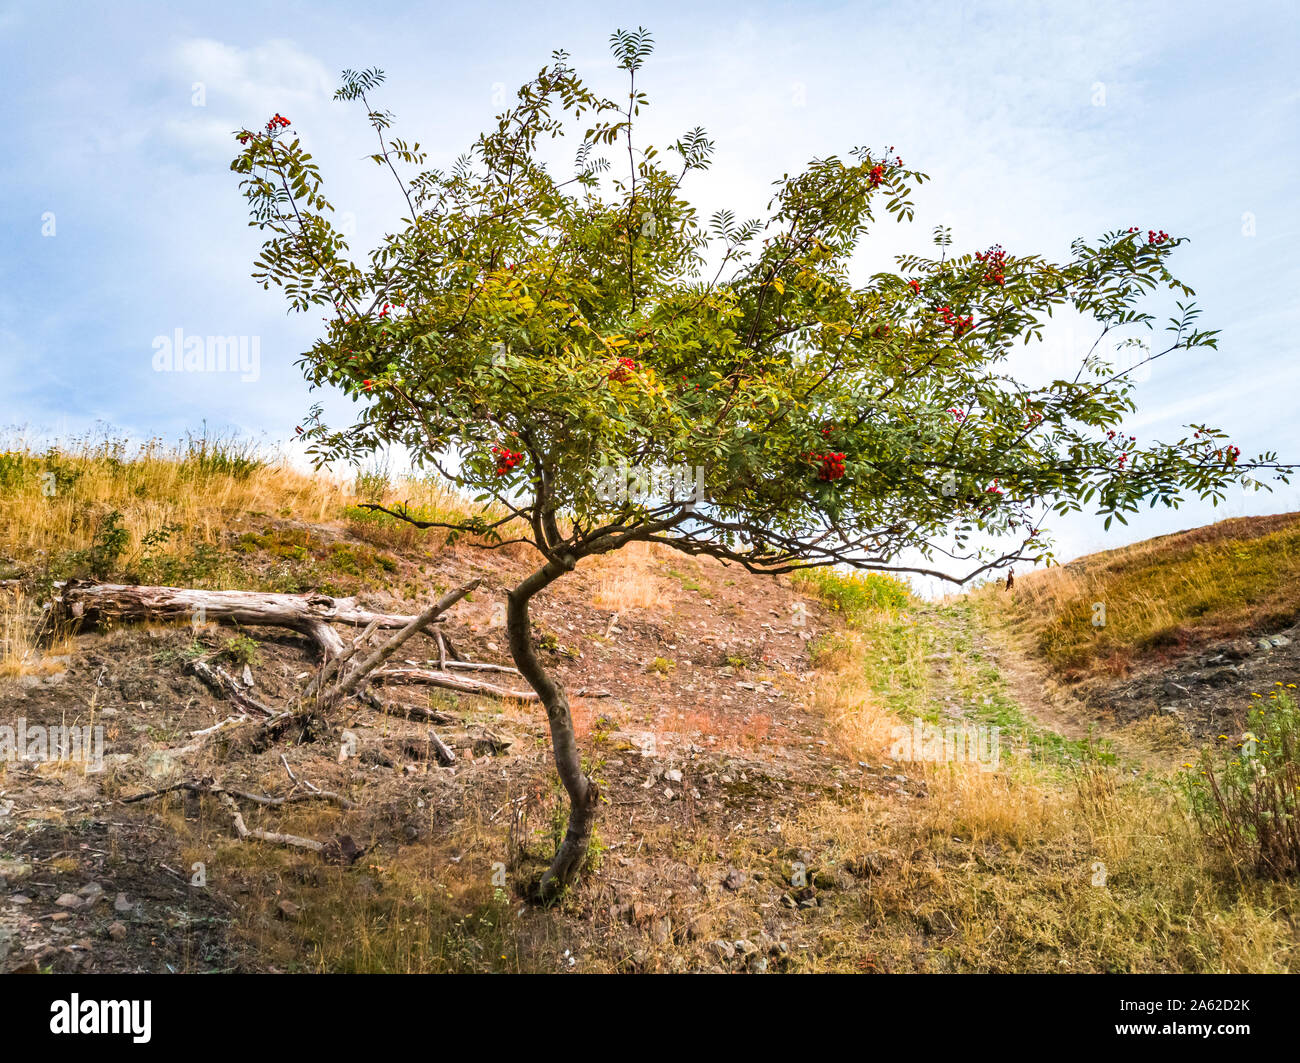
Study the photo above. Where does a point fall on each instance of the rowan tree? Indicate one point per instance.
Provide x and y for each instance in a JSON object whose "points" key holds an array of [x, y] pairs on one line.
{"points": [[543, 339]]}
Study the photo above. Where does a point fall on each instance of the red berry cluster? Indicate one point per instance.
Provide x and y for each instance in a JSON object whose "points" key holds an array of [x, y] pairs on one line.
{"points": [[994, 489], [957, 415], [1154, 237], [277, 122], [995, 260], [507, 459], [1121, 440], [832, 465], [877, 174], [959, 325], [622, 372], [915, 286], [1230, 454]]}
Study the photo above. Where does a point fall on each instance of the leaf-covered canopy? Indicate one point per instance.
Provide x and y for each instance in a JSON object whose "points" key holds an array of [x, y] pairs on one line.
{"points": [[539, 337]]}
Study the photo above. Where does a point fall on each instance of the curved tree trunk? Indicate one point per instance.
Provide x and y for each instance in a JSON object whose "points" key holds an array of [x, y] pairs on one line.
{"points": [[584, 794]]}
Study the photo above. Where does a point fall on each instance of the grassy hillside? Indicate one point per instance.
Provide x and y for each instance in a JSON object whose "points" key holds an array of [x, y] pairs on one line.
{"points": [[1164, 595]]}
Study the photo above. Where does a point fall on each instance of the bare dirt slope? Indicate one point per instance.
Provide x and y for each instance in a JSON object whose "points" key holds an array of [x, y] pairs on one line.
{"points": [[692, 709]]}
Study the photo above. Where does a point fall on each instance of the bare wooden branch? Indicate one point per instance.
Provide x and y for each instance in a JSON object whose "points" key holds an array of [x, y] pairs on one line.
{"points": [[223, 684], [332, 664], [450, 682], [407, 712], [354, 678], [227, 798]]}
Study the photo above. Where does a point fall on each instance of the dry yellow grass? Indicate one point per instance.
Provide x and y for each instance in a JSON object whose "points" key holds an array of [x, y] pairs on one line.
{"points": [[1169, 592], [21, 651], [58, 501], [631, 580]]}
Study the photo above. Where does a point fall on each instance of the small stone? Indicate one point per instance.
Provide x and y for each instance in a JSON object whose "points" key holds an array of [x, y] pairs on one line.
{"points": [[724, 950], [673, 775], [1264, 644], [20, 898], [759, 965], [734, 880], [90, 890], [117, 931], [661, 931], [122, 904], [745, 947], [1278, 641], [160, 765], [287, 910], [69, 900], [14, 870]]}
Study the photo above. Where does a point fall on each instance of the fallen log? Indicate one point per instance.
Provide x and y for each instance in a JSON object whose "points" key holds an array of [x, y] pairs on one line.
{"points": [[311, 614]]}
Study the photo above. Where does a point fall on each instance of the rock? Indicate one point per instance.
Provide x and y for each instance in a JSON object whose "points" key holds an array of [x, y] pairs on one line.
{"points": [[1170, 710], [642, 912], [90, 891], [734, 880], [759, 965], [824, 880], [723, 950], [491, 744], [14, 870], [287, 910], [661, 930], [745, 947], [69, 900], [117, 931], [160, 765], [20, 898], [1222, 677], [1176, 690], [672, 775], [1278, 641], [6, 807], [1264, 644], [122, 904]]}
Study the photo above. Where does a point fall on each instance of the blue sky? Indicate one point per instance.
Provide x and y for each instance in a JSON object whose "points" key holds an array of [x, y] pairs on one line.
{"points": [[1037, 123]]}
